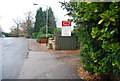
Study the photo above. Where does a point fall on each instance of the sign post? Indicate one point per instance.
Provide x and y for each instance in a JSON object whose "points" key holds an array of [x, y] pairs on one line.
{"points": [[66, 28]]}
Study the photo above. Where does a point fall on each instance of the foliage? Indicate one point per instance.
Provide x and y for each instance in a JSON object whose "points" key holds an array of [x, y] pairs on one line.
{"points": [[13, 35], [23, 26], [57, 30], [9, 34], [98, 24], [51, 21], [34, 35], [22, 36], [41, 20], [48, 36], [38, 39], [43, 36], [28, 36], [74, 33], [28, 23], [43, 30]]}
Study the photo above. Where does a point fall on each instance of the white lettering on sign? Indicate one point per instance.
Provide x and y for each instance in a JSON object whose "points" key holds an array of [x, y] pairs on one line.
{"points": [[66, 23]]}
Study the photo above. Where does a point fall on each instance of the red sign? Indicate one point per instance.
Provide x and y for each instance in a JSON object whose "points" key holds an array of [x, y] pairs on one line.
{"points": [[66, 23]]}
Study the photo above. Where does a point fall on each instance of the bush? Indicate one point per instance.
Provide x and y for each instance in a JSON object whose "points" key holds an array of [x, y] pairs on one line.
{"points": [[38, 39], [58, 30], [98, 24], [43, 30], [9, 34], [42, 36], [28, 36], [34, 35], [74, 33], [48, 36], [22, 35]]}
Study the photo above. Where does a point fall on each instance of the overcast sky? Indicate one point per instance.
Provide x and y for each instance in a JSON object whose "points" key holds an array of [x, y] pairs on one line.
{"points": [[11, 9]]}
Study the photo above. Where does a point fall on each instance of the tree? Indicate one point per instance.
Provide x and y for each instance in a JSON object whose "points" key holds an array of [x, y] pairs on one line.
{"points": [[23, 27], [40, 20], [51, 21], [99, 31], [13, 30], [17, 21], [28, 23]]}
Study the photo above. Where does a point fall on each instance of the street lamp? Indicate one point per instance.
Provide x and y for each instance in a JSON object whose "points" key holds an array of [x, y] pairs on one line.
{"points": [[46, 17]]}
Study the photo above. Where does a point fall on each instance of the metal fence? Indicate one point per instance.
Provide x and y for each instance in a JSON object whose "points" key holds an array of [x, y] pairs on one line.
{"points": [[65, 43]]}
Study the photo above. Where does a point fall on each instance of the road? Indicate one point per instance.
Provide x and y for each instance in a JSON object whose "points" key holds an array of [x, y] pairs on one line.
{"points": [[14, 51], [0, 58]]}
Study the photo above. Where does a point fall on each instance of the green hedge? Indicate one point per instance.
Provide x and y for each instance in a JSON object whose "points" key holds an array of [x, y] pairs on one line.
{"points": [[34, 35], [99, 31], [48, 35], [9, 34], [58, 30], [44, 36]]}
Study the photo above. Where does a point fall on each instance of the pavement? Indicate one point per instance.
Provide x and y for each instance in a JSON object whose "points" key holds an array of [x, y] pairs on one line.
{"points": [[41, 63]]}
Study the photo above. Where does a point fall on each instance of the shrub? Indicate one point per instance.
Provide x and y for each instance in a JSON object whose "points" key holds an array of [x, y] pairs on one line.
{"points": [[42, 36], [28, 36], [34, 35], [74, 33], [9, 34], [48, 36], [98, 24], [57, 30], [22, 35], [38, 39], [43, 30]]}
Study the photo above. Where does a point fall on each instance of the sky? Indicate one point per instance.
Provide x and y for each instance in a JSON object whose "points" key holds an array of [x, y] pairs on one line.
{"points": [[11, 9]]}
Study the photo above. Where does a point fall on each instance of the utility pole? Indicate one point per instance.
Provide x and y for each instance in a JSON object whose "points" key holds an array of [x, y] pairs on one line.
{"points": [[46, 21]]}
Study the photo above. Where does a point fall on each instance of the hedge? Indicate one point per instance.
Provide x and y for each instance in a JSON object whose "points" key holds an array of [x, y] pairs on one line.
{"points": [[99, 31], [34, 35], [44, 36]]}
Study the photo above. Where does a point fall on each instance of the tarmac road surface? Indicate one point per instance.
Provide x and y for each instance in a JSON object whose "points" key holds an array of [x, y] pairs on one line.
{"points": [[14, 51]]}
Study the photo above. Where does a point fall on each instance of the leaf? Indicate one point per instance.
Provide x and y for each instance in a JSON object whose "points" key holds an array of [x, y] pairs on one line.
{"points": [[95, 60], [96, 10], [102, 15], [107, 23], [88, 2], [78, 15], [94, 32], [100, 21], [112, 19], [112, 32], [106, 35]]}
